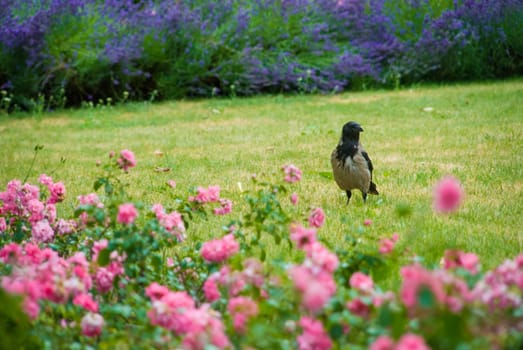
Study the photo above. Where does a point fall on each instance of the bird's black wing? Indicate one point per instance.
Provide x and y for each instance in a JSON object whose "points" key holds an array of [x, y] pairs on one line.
{"points": [[369, 162], [372, 187]]}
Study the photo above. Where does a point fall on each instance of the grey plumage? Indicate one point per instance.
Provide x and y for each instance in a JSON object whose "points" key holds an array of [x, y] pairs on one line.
{"points": [[351, 164]]}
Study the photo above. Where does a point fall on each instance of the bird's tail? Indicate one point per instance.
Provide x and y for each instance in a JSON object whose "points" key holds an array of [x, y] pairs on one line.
{"points": [[373, 189]]}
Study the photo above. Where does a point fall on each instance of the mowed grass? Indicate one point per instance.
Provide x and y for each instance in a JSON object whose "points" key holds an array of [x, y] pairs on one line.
{"points": [[473, 132]]}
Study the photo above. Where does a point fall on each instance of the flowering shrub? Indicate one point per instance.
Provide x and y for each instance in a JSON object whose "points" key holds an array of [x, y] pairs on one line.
{"points": [[120, 273], [56, 52]]}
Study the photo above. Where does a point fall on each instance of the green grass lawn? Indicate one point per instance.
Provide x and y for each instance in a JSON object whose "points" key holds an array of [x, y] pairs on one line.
{"points": [[474, 132]]}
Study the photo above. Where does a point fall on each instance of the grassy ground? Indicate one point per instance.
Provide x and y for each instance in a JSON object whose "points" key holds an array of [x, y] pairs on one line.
{"points": [[474, 132]]}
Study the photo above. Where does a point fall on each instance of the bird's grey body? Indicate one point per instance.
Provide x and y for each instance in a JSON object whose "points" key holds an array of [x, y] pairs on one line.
{"points": [[351, 164], [351, 173]]}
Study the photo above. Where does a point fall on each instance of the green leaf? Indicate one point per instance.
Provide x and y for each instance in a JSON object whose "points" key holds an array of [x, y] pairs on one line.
{"points": [[426, 297], [385, 317], [156, 261], [108, 188], [98, 183], [122, 310], [336, 331], [99, 215], [103, 257], [518, 312]]}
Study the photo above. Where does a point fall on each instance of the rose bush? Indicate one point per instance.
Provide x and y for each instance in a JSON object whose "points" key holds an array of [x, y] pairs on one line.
{"points": [[124, 274]]}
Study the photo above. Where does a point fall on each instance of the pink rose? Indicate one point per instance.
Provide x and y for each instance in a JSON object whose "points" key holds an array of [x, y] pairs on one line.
{"points": [[126, 160], [86, 301], [361, 281], [411, 342], [42, 232], [225, 207], [314, 335], [294, 198], [241, 309], [317, 218], [127, 213], [218, 250], [382, 343], [302, 236], [448, 195], [210, 289], [292, 173], [92, 324]]}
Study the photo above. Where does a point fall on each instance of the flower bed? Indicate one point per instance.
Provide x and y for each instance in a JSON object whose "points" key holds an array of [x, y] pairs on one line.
{"points": [[124, 274]]}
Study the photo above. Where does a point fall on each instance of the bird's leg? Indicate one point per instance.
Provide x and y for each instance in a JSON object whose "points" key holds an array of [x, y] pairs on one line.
{"points": [[364, 194], [349, 194]]}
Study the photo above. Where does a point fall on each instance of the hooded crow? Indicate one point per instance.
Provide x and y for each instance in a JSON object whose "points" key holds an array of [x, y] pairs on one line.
{"points": [[351, 165]]}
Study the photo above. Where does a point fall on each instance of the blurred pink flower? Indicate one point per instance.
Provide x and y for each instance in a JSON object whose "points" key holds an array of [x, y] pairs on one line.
{"points": [[210, 289], [294, 198], [36, 210], [204, 328], [225, 207], [387, 244], [470, 262], [171, 183], [10, 253], [206, 195], [90, 199], [383, 342], [500, 289], [218, 250], [314, 335], [455, 258], [126, 160], [104, 279], [92, 324], [316, 287], [411, 342], [172, 222], [45, 180], [241, 309], [50, 212], [64, 227], [86, 301], [31, 308], [3, 224], [415, 279], [448, 195], [42, 232], [358, 307], [292, 173], [98, 246], [317, 218], [57, 191], [301, 235], [156, 291], [367, 222], [315, 296], [361, 281], [127, 213], [321, 257]]}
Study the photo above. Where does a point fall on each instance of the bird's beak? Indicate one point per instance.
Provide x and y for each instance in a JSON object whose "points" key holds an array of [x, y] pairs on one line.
{"points": [[361, 129]]}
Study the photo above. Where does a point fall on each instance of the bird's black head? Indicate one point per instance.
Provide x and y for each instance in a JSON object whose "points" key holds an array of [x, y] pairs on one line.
{"points": [[351, 131]]}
